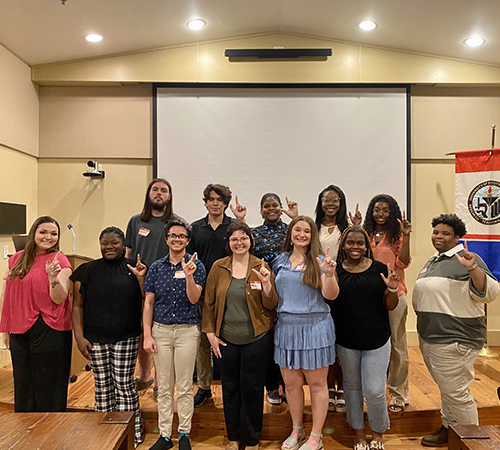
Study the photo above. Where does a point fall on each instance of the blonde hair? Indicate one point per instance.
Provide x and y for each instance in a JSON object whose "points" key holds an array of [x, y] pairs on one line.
{"points": [[312, 273]]}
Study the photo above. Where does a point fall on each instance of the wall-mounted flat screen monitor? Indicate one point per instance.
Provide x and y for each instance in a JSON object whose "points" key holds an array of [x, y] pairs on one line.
{"points": [[12, 218]]}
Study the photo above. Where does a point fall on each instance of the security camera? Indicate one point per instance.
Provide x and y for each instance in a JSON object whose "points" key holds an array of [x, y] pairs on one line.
{"points": [[94, 172]]}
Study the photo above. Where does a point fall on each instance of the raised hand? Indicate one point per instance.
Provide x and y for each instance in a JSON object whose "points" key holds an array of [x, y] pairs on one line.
{"points": [[356, 218], [263, 274], [328, 265], [189, 268], [53, 268], [239, 211], [140, 269], [405, 225], [392, 279], [293, 209], [468, 260]]}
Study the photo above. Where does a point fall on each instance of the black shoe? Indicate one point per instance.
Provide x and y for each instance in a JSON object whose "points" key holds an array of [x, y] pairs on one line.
{"points": [[162, 444], [184, 442], [202, 396], [437, 439]]}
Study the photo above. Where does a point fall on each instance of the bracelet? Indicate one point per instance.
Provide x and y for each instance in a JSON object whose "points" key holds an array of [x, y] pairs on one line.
{"points": [[474, 266], [392, 290]]}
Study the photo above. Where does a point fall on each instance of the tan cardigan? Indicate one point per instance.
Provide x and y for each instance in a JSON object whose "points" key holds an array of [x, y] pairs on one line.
{"points": [[218, 282]]}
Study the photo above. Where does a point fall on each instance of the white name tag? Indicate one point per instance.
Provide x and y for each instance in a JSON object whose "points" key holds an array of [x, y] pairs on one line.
{"points": [[424, 269], [300, 267], [180, 274], [143, 232], [256, 285]]}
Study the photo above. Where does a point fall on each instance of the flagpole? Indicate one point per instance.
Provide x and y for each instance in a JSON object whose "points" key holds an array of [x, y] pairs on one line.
{"points": [[486, 350]]}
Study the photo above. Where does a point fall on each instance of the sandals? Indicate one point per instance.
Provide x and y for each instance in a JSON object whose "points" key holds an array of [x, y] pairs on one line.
{"points": [[396, 405], [361, 446], [377, 445], [233, 445], [291, 443], [340, 403], [320, 443], [332, 399]]}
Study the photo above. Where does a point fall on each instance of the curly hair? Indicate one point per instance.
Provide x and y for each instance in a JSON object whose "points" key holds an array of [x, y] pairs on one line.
{"points": [[178, 223], [453, 221], [312, 274], [341, 255], [224, 192], [393, 226], [341, 216]]}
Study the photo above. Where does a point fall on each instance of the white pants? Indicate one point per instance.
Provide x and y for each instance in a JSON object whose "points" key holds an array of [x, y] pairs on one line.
{"points": [[452, 367], [174, 360], [399, 365]]}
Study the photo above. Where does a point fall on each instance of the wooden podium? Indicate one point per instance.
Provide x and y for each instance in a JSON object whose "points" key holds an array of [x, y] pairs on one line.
{"points": [[78, 362]]}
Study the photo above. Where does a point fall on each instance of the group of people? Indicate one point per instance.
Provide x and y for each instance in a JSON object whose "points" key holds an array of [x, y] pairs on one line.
{"points": [[319, 301]]}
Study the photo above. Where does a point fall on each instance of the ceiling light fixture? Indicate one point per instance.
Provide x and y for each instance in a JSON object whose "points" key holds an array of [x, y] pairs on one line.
{"points": [[475, 41], [367, 25], [196, 24], [94, 38]]}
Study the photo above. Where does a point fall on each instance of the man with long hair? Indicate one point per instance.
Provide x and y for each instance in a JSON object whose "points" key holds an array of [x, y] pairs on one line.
{"points": [[146, 237]]}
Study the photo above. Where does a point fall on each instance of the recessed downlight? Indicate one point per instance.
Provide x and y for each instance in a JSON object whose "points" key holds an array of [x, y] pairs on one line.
{"points": [[474, 41], [93, 38], [367, 25], [196, 24]]}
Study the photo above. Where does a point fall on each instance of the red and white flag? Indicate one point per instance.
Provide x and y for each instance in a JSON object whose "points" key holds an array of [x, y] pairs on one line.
{"points": [[477, 202]]}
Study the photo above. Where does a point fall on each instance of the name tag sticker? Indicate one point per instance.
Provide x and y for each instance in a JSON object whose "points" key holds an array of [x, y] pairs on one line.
{"points": [[179, 274], [300, 267], [424, 269], [143, 232], [256, 285]]}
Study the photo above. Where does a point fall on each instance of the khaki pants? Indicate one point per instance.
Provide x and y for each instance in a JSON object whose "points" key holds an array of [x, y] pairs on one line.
{"points": [[452, 367], [399, 365], [174, 360]]}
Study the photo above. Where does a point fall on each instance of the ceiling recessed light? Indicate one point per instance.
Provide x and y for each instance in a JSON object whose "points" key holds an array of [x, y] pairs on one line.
{"points": [[474, 41], [94, 38], [367, 25], [196, 24]]}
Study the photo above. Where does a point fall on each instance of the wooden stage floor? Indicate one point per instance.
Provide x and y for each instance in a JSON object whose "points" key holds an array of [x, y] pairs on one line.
{"points": [[420, 417]]}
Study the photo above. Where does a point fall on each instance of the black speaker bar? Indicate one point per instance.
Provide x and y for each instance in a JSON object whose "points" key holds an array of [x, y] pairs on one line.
{"points": [[278, 53]]}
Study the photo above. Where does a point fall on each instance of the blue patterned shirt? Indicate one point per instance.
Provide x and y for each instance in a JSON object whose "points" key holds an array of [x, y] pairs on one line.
{"points": [[166, 281], [268, 239]]}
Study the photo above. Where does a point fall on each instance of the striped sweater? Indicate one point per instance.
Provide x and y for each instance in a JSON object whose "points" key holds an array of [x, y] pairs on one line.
{"points": [[449, 308]]}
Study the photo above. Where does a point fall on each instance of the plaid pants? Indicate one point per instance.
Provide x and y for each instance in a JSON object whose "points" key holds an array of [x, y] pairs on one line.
{"points": [[114, 366]]}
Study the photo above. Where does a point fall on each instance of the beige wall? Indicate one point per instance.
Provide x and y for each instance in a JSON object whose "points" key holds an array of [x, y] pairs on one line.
{"points": [[18, 146]]}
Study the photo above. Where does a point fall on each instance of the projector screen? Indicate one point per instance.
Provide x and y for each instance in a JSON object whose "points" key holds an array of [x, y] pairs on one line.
{"points": [[291, 141]]}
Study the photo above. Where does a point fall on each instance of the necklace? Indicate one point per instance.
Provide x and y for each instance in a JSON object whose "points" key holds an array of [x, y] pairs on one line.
{"points": [[350, 266], [380, 233]]}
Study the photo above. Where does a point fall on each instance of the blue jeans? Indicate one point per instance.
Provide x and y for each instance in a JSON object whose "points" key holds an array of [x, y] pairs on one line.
{"points": [[364, 374]]}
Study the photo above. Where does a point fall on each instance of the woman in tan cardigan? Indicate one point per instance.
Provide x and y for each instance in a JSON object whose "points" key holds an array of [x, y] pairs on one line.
{"points": [[239, 297]]}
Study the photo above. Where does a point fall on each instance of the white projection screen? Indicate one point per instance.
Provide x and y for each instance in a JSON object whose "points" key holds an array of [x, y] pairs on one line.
{"points": [[291, 141]]}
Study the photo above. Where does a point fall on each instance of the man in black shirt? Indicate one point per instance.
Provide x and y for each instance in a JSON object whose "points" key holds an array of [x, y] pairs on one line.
{"points": [[209, 241]]}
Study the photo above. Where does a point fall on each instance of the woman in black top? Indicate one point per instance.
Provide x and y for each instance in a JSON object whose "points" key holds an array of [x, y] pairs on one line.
{"points": [[368, 289], [107, 309]]}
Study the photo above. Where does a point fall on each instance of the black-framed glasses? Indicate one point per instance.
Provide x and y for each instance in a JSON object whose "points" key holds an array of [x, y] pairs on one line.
{"points": [[241, 239], [182, 237]]}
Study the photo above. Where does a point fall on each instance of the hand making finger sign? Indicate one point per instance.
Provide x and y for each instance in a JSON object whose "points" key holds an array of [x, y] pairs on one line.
{"points": [[392, 279], [468, 260], [405, 225], [328, 265], [293, 209], [263, 274], [356, 219], [189, 268], [53, 267], [239, 211], [140, 269]]}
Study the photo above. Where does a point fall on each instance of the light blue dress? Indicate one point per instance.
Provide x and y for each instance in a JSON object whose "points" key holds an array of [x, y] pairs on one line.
{"points": [[305, 334]]}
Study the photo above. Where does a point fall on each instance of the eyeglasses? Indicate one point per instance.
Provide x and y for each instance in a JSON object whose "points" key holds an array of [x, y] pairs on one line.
{"points": [[330, 200], [242, 240], [173, 236]]}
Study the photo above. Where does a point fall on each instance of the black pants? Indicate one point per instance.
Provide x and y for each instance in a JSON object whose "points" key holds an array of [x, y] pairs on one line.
{"points": [[243, 370], [273, 373], [41, 361]]}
